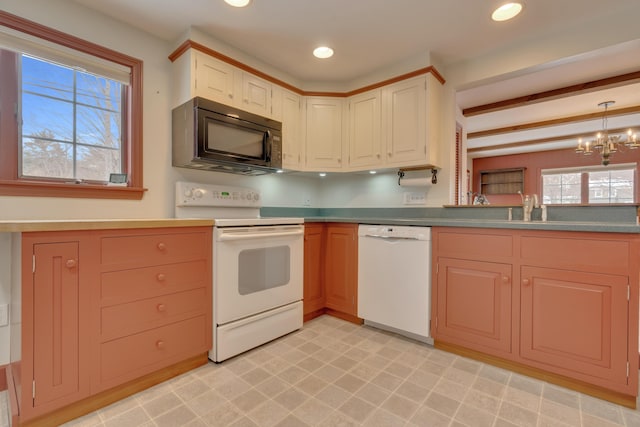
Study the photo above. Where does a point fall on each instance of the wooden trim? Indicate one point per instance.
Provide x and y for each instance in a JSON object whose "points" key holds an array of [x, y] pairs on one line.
{"points": [[107, 397], [190, 44], [579, 386], [3, 377], [535, 141], [313, 314], [46, 189], [134, 139], [12, 390], [554, 122], [344, 316], [552, 94]]}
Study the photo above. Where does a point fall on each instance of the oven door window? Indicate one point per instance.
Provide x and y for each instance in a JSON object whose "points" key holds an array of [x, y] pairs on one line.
{"points": [[263, 268]]}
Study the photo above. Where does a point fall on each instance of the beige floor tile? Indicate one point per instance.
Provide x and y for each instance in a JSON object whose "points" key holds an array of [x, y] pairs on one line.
{"points": [[334, 373]]}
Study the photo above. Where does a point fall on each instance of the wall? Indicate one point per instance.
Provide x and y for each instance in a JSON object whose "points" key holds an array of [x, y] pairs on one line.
{"points": [[535, 162]]}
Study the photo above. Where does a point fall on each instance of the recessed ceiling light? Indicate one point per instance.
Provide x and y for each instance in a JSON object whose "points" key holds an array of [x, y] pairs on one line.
{"points": [[238, 3], [372, 172], [506, 11], [322, 174], [323, 52]]}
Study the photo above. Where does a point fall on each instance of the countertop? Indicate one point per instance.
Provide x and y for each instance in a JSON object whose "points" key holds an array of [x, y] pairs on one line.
{"points": [[601, 227], [98, 224]]}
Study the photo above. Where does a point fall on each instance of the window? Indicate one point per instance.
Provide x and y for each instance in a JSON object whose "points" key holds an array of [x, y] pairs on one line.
{"points": [[70, 115], [561, 188], [595, 185]]}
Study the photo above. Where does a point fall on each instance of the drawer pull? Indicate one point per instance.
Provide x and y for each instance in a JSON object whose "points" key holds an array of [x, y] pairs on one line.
{"points": [[162, 246], [159, 344], [161, 277], [505, 279], [525, 282], [161, 308], [71, 263]]}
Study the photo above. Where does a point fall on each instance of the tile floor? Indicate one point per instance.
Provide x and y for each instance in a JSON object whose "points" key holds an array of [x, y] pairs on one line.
{"points": [[334, 373]]}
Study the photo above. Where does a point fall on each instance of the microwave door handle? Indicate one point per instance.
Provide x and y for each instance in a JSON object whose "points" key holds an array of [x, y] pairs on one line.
{"points": [[267, 145]]}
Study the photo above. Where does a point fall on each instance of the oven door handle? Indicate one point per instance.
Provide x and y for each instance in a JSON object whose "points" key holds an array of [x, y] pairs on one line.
{"points": [[230, 236]]}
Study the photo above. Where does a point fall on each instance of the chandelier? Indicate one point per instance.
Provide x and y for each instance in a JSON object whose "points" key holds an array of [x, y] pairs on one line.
{"points": [[604, 143]]}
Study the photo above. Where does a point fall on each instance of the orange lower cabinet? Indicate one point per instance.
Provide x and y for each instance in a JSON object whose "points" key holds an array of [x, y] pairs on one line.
{"points": [[474, 304], [575, 323]]}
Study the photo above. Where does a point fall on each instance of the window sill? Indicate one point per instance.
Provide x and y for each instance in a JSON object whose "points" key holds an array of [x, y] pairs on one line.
{"points": [[83, 191]]}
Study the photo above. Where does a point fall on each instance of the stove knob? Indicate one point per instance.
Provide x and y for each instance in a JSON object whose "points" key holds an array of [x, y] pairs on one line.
{"points": [[188, 193], [198, 193], [256, 197]]}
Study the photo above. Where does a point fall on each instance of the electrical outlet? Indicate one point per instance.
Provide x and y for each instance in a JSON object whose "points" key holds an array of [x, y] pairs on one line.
{"points": [[414, 198], [306, 200], [4, 314]]}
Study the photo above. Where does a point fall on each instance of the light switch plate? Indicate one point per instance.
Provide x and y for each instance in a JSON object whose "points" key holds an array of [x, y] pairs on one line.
{"points": [[414, 198]]}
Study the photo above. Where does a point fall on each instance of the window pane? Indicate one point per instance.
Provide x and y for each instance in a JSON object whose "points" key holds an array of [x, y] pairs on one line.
{"points": [[61, 104], [614, 186], [561, 188], [47, 158], [95, 163]]}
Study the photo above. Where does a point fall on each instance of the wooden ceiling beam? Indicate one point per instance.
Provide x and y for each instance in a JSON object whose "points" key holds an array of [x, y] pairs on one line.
{"points": [[553, 94]]}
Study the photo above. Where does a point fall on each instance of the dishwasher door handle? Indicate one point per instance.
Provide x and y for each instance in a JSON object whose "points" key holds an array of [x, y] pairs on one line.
{"points": [[379, 236]]}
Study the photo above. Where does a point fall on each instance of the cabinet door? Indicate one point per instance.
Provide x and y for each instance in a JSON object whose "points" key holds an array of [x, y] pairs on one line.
{"points": [[474, 304], [404, 124], [214, 79], [256, 95], [341, 268], [364, 130], [324, 133], [291, 130], [313, 262], [56, 318], [575, 322]]}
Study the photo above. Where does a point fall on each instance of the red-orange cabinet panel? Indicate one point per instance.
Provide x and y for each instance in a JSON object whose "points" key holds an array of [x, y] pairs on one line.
{"points": [[313, 263], [341, 268], [474, 304], [575, 322], [55, 321]]}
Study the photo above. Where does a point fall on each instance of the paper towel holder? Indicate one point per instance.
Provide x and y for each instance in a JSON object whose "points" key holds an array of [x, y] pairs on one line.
{"points": [[434, 172]]}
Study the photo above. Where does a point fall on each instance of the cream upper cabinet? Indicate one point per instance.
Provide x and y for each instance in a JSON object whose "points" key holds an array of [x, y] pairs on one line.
{"points": [[214, 79], [292, 136], [365, 143], [409, 135], [256, 95], [324, 133]]}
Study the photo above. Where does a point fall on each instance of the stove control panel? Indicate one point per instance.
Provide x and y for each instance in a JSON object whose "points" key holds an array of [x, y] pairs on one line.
{"points": [[197, 194]]}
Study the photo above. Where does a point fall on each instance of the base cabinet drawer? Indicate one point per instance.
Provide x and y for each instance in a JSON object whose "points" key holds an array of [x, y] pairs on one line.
{"points": [[125, 319], [136, 355]]}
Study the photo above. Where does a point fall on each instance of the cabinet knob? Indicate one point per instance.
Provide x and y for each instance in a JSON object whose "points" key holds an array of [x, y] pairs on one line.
{"points": [[526, 282], [71, 263], [161, 308], [161, 277], [230, 96], [159, 344], [506, 279], [162, 246], [246, 101]]}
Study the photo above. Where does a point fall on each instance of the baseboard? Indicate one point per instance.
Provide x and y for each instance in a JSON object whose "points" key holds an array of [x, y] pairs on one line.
{"points": [[344, 316], [313, 315]]}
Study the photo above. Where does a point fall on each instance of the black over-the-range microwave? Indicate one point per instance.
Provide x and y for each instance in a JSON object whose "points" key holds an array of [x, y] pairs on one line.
{"points": [[208, 135]]}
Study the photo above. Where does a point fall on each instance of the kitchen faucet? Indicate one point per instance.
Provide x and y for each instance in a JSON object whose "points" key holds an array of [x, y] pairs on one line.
{"points": [[528, 203]]}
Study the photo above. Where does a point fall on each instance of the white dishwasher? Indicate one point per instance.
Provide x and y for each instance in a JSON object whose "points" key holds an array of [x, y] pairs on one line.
{"points": [[394, 278]]}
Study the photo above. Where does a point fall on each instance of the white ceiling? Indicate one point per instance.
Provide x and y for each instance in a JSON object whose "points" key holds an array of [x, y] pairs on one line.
{"points": [[370, 35]]}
